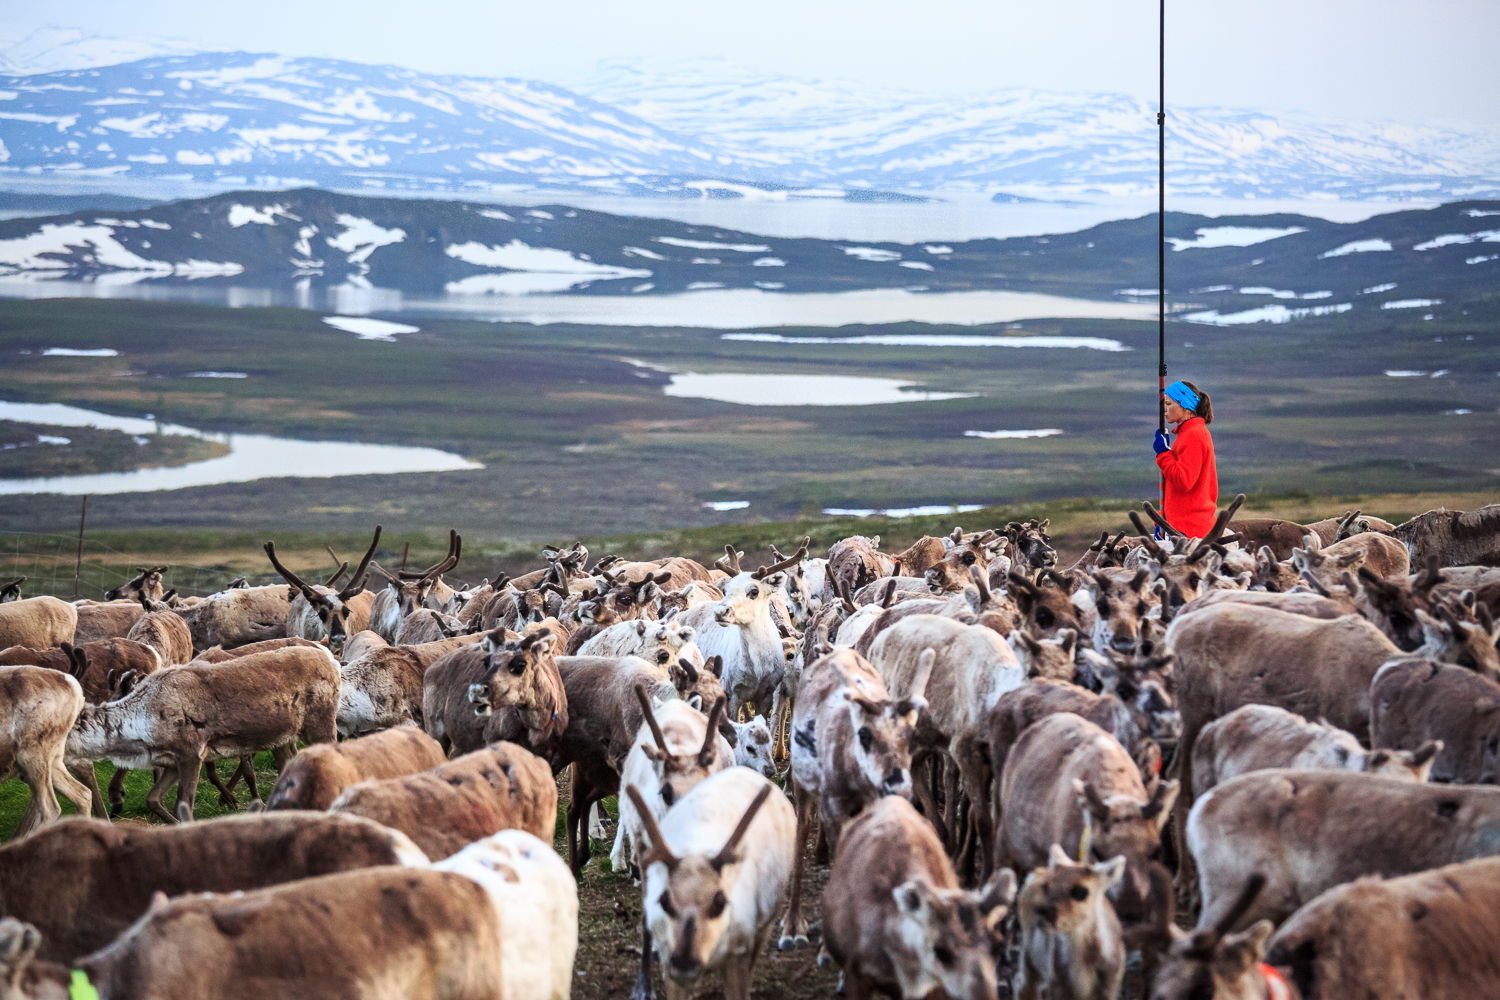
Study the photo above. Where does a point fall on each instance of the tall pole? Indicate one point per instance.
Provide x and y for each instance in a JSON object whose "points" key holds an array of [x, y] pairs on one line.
{"points": [[1161, 227], [83, 513]]}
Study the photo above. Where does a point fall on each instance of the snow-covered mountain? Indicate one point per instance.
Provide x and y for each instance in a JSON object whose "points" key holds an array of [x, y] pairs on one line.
{"points": [[1045, 145], [53, 48], [704, 128]]}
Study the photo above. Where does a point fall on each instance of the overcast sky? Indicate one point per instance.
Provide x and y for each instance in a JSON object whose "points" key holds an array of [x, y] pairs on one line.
{"points": [[1410, 61]]}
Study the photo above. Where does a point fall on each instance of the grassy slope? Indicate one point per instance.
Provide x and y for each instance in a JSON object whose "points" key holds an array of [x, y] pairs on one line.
{"points": [[576, 442]]}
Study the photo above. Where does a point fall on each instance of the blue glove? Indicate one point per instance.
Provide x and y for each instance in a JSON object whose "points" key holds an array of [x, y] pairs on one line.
{"points": [[1160, 444]]}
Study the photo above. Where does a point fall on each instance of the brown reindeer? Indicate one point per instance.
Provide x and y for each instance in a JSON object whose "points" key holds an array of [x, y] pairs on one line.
{"points": [[164, 631], [1457, 538], [146, 582], [319, 774], [1071, 944], [895, 919], [320, 613], [502, 787], [37, 623], [1414, 702], [38, 707]]}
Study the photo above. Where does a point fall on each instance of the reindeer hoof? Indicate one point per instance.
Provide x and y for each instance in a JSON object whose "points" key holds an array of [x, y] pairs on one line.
{"points": [[788, 942], [824, 957]]}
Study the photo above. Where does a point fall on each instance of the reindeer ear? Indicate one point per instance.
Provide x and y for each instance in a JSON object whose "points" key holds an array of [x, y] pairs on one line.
{"points": [[1057, 857], [1247, 948], [1110, 872]]}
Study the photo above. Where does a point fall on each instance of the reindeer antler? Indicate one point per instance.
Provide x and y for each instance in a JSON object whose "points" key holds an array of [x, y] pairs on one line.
{"points": [[357, 581], [656, 734], [710, 746], [731, 560], [1161, 521], [777, 567], [726, 854], [288, 575], [659, 850]]}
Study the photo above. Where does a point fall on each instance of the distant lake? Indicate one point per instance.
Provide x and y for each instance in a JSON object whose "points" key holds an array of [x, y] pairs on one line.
{"points": [[802, 390], [717, 309], [251, 456]]}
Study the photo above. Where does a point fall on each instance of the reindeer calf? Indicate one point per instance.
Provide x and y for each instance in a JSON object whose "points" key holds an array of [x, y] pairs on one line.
{"points": [[319, 774], [895, 919], [1071, 943]]}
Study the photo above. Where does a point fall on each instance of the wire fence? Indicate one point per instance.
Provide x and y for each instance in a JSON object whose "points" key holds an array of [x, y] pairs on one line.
{"points": [[50, 561]]}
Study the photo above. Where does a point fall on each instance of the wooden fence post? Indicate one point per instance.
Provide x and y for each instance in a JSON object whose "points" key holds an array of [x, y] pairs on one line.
{"points": [[78, 563]]}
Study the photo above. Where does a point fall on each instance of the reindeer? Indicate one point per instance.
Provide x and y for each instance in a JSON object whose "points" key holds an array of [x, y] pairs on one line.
{"points": [[851, 745], [895, 919], [1457, 538], [1032, 546], [37, 623], [405, 592], [233, 617], [712, 893], [963, 554], [740, 630], [39, 706], [1067, 780], [164, 631], [1416, 703], [676, 749], [1257, 737], [854, 562], [317, 775], [320, 613], [145, 583], [1212, 962], [1071, 944]]}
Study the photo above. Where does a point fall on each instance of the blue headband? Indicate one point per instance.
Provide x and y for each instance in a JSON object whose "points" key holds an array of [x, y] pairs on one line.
{"points": [[1185, 397]]}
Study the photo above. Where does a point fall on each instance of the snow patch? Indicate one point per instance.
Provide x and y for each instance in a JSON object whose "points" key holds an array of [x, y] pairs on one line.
{"points": [[518, 256], [537, 213], [768, 262], [918, 265], [1007, 435], [1265, 314], [1231, 236], [369, 329], [938, 249], [674, 241], [697, 286], [70, 352], [639, 252], [240, 215], [216, 375], [934, 340], [1481, 260], [928, 511], [723, 505], [1451, 239], [361, 237], [1358, 246], [1374, 289], [871, 253], [1403, 373], [1411, 303], [1478, 213], [495, 213]]}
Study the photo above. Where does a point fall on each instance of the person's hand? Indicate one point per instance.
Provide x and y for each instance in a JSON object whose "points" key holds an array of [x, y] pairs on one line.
{"points": [[1160, 443]]}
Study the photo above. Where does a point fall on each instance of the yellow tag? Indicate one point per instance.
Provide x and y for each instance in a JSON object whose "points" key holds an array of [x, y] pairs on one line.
{"points": [[81, 988]]}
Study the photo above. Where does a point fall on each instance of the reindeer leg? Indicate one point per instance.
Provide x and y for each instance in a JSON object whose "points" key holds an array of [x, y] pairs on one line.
{"points": [[924, 781], [164, 777], [950, 799], [794, 925], [226, 795], [643, 989], [738, 973], [187, 784], [43, 807], [85, 773], [117, 791], [75, 791]]}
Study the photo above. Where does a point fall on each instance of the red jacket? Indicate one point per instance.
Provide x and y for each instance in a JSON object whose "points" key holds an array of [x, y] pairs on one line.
{"points": [[1192, 501]]}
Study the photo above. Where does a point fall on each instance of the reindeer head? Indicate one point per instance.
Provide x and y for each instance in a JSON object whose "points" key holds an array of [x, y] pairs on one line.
{"points": [[1403, 765], [797, 597], [414, 589], [1350, 524], [328, 605], [752, 746], [678, 773], [1145, 683], [512, 670], [1031, 544], [966, 553], [19, 943], [1462, 633], [1068, 898], [147, 581], [954, 932], [882, 727], [1122, 599], [747, 598], [1125, 826], [1045, 605], [1050, 658], [688, 892], [1326, 569], [1213, 964], [12, 591]]}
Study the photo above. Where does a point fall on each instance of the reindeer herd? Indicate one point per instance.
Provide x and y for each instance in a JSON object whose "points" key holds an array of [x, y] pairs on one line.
{"points": [[1018, 775]]}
